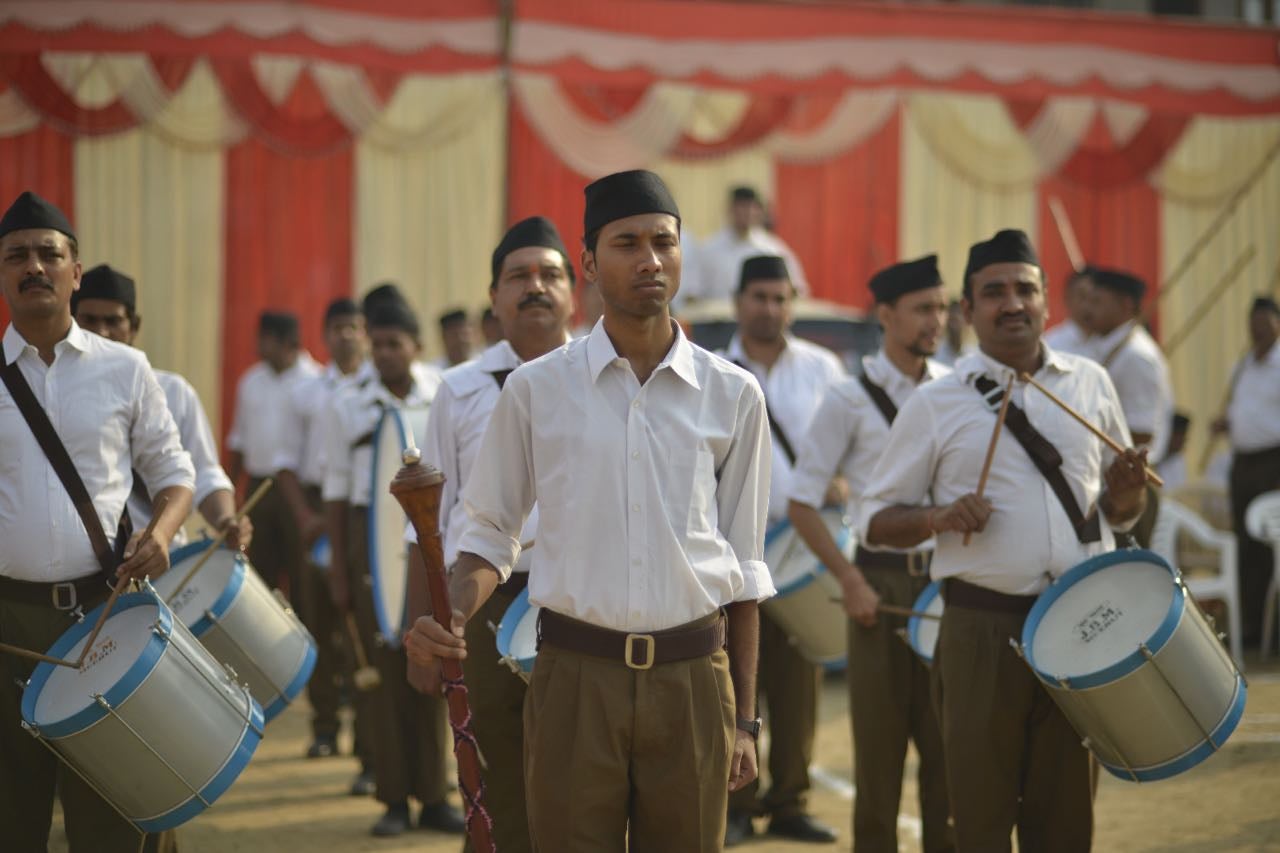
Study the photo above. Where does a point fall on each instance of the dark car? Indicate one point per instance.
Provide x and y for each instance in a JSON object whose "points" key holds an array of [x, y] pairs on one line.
{"points": [[841, 329]]}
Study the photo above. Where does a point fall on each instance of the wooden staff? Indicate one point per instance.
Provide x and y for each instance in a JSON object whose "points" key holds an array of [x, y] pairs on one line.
{"points": [[1227, 280], [417, 486], [156, 509], [1152, 476], [1066, 232], [991, 448], [216, 542]]}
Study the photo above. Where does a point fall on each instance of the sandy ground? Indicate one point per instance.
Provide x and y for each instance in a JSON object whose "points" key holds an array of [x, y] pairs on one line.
{"points": [[1231, 802]]}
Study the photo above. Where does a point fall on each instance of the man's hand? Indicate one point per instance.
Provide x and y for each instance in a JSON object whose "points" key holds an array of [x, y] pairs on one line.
{"points": [[860, 601], [837, 492], [239, 532], [146, 556], [742, 769], [1126, 478], [968, 514], [427, 642]]}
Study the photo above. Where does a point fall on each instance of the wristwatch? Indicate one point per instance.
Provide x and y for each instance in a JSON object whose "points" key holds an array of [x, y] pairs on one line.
{"points": [[751, 727]]}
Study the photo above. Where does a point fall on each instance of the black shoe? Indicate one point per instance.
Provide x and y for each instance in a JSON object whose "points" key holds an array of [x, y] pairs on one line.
{"points": [[802, 827], [393, 823], [363, 785], [323, 746], [442, 817], [738, 829]]}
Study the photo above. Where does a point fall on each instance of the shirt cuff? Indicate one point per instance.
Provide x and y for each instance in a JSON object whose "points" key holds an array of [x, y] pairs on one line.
{"points": [[757, 583], [182, 478], [491, 544], [210, 481], [286, 462]]}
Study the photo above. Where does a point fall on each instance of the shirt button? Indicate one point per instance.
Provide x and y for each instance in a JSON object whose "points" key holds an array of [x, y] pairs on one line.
{"points": [[635, 404], [636, 561], [635, 507], [635, 454]]}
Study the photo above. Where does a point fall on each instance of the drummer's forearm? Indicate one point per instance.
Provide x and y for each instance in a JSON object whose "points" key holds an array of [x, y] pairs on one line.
{"points": [[813, 530], [471, 582], [177, 506], [900, 526], [218, 508]]}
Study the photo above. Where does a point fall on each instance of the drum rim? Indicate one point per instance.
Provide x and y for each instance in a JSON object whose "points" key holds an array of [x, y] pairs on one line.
{"points": [[1130, 662], [294, 687], [119, 692], [517, 609], [391, 637], [914, 623], [229, 592]]}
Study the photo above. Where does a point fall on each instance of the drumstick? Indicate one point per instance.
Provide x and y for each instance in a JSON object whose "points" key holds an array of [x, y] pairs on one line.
{"points": [[157, 509], [217, 541], [1066, 232], [366, 677], [525, 546], [991, 448], [25, 653], [1152, 476], [895, 610]]}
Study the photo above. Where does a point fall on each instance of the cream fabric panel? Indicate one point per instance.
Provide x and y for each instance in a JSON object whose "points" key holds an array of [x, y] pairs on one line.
{"points": [[702, 186], [947, 201], [153, 209], [1211, 156], [428, 217]]}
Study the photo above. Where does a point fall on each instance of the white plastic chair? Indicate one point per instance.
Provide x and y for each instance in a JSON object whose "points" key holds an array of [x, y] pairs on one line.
{"points": [[1172, 519], [1262, 520]]}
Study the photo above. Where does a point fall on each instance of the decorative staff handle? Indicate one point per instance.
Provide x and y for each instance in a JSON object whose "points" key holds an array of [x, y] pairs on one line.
{"points": [[991, 448], [417, 487]]}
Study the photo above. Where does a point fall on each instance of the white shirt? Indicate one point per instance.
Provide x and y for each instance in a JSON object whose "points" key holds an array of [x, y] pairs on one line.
{"points": [[1067, 336], [1254, 411], [793, 389], [849, 433], [718, 263], [260, 423], [353, 414], [651, 498], [302, 447], [1141, 377], [459, 415], [105, 404], [938, 444], [197, 439]]}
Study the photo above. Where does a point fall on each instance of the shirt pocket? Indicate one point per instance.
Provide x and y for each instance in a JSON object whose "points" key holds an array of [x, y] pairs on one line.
{"points": [[690, 490]]}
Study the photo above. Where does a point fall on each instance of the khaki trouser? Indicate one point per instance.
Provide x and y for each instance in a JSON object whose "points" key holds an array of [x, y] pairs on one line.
{"points": [[613, 753], [497, 706], [29, 772], [890, 704], [275, 550], [789, 685], [1012, 758], [410, 731]]}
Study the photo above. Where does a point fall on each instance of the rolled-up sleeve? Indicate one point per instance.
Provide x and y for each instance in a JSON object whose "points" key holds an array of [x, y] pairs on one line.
{"points": [[155, 445], [499, 493], [904, 472], [197, 438], [822, 448], [742, 494]]}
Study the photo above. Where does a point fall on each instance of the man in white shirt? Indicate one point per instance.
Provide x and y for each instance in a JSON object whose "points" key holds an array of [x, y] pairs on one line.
{"points": [[1074, 333], [109, 413], [532, 295], [299, 467], [794, 374], [719, 259], [889, 701], [410, 738], [1012, 758], [455, 336], [1253, 426], [258, 432], [649, 461], [1137, 366]]}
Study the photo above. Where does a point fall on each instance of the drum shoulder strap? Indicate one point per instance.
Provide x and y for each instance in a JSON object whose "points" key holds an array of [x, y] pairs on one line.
{"points": [[880, 397], [54, 450], [784, 443], [1046, 458]]}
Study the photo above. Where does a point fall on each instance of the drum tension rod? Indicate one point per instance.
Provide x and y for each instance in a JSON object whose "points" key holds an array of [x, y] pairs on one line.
{"points": [[84, 777], [1146, 652], [1108, 742], [217, 623], [246, 715]]}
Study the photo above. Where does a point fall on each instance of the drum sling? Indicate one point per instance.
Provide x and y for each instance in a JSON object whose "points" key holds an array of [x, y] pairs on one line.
{"points": [[784, 443], [880, 397]]}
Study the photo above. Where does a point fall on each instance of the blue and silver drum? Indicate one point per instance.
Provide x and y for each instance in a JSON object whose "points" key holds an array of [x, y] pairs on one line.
{"points": [[518, 635], [807, 606], [922, 632]]}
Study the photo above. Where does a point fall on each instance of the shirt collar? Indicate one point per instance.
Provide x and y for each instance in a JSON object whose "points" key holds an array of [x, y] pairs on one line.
{"points": [[601, 353], [15, 344], [978, 363], [500, 356], [883, 371], [735, 352]]}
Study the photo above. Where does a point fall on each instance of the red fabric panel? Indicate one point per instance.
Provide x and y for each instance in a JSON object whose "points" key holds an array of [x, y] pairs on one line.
{"points": [[40, 160], [1116, 227], [1100, 163], [288, 247], [765, 115], [301, 127], [841, 216], [28, 76]]}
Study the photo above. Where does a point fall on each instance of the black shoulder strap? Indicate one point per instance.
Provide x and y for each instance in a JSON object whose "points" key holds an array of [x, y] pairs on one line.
{"points": [[1046, 458], [500, 376], [880, 397], [784, 443], [57, 455]]}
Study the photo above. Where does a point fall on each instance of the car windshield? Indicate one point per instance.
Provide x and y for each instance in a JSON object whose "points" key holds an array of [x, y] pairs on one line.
{"points": [[850, 339]]}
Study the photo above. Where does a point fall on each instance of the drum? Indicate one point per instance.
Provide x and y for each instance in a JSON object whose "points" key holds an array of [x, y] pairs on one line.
{"points": [[388, 553], [518, 635], [242, 623], [922, 633], [321, 553], [807, 605], [152, 722], [1134, 665]]}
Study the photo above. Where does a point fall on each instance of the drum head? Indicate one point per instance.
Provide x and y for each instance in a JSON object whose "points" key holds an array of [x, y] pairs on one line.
{"points": [[518, 631], [789, 559], [388, 553], [212, 589], [1089, 624], [922, 634]]}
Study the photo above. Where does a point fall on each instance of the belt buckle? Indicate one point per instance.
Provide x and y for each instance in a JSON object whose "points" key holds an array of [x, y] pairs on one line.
{"points": [[917, 566], [71, 598], [628, 654]]}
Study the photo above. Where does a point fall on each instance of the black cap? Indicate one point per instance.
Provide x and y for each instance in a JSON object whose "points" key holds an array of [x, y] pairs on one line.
{"points": [[624, 194], [1009, 246], [534, 231], [102, 282], [453, 317], [30, 211], [745, 193], [393, 315], [381, 294], [1118, 281], [762, 268], [891, 282], [278, 324], [1265, 303]]}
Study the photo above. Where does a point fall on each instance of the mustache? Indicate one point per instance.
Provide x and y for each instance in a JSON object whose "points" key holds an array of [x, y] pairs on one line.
{"points": [[35, 281], [534, 299], [1011, 318]]}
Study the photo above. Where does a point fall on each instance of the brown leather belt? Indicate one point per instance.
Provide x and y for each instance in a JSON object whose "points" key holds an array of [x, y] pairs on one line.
{"points": [[638, 651], [957, 592], [64, 595], [915, 563]]}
